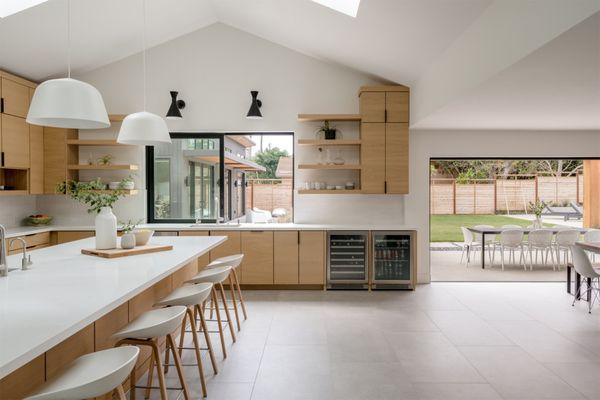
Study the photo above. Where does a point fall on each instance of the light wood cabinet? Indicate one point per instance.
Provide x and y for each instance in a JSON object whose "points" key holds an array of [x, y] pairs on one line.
{"points": [[24, 380], [385, 140], [285, 257], [311, 256], [36, 156], [372, 158], [257, 268], [68, 350], [230, 247], [202, 260], [57, 155], [15, 98], [15, 142], [108, 325], [71, 236]]}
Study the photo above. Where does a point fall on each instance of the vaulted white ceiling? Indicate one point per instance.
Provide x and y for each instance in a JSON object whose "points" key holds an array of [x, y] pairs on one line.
{"points": [[469, 62]]}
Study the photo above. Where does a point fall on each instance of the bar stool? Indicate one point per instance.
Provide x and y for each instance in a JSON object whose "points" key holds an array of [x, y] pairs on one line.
{"points": [[91, 375], [216, 276], [190, 296], [234, 262], [145, 330]]}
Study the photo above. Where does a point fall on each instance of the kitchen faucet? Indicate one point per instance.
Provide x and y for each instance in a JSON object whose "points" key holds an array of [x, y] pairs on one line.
{"points": [[3, 263], [25, 261]]}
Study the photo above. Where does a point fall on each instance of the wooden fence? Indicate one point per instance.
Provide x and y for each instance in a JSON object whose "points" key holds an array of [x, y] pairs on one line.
{"points": [[502, 195], [269, 194]]}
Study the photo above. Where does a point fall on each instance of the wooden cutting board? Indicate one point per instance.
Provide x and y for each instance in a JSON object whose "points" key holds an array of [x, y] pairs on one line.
{"points": [[114, 253]]}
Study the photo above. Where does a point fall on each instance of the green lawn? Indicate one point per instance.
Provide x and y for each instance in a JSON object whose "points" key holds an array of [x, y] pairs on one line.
{"points": [[446, 228]]}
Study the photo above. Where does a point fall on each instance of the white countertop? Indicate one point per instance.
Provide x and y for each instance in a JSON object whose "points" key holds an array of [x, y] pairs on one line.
{"points": [[28, 230], [64, 291]]}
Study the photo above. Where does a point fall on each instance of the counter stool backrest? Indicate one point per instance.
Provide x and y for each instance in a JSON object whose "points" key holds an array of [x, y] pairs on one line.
{"points": [[540, 237], [567, 237], [582, 263], [511, 237]]}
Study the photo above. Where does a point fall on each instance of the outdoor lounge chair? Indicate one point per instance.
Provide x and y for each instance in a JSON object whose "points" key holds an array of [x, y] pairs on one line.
{"points": [[573, 211]]}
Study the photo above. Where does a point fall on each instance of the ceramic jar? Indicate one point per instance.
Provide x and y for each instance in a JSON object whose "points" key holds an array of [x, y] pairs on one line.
{"points": [[128, 240], [106, 229]]}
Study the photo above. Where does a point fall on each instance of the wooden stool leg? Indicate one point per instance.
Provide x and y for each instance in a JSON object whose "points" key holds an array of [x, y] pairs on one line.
{"points": [[171, 345], [235, 310], [159, 369], [230, 321], [239, 290], [120, 393], [197, 351], [132, 382], [211, 352], [214, 298], [150, 377], [183, 328]]}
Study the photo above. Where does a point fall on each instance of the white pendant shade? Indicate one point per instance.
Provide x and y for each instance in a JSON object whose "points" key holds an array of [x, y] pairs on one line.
{"points": [[68, 103], [144, 128]]}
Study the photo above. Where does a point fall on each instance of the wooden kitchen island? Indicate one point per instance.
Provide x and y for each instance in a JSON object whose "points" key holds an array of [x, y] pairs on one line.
{"points": [[69, 304]]}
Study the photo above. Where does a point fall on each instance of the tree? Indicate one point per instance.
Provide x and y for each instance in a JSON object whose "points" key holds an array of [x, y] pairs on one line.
{"points": [[269, 158]]}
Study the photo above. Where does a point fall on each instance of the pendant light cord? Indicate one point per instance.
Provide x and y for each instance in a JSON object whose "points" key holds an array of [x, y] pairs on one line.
{"points": [[144, 51], [69, 38]]}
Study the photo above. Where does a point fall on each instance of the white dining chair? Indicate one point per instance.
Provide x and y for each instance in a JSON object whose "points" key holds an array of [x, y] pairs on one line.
{"points": [[584, 267], [540, 241], [469, 244], [592, 236], [490, 239], [511, 240], [563, 240]]}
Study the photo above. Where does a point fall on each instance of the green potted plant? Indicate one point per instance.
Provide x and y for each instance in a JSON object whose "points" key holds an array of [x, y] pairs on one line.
{"points": [[537, 208], [328, 132], [100, 202], [105, 159], [128, 237]]}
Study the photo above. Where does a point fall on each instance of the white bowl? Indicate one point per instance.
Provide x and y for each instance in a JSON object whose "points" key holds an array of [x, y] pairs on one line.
{"points": [[142, 236], [114, 185]]}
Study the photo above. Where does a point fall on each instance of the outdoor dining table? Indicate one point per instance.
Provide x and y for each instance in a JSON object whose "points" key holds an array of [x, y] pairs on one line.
{"points": [[497, 231], [593, 247]]}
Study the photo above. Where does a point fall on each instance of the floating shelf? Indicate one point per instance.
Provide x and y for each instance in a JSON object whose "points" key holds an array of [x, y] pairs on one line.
{"points": [[130, 167], [332, 167], [328, 191], [13, 192], [127, 192], [328, 117], [335, 142], [116, 117], [94, 142]]}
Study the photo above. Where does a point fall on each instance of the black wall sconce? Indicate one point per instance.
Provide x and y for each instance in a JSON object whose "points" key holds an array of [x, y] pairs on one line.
{"points": [[176, 105], [254, 111]]}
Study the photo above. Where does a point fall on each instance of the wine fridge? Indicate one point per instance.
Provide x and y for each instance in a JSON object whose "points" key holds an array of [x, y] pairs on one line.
{"points": [[393, 254], [347, 261]]}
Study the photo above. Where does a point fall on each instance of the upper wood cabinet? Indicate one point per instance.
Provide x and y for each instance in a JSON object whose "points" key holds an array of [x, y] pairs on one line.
{"points": [[285, 257], [257, 268], [57, 155], [397, 106], [372, 106], [36, 157], [372, 157], [384, 103], [15, 142], [396, 158], [15, 98]]}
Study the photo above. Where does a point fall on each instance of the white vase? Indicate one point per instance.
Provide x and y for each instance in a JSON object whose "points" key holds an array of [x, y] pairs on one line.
{"points": [[106, 229]]}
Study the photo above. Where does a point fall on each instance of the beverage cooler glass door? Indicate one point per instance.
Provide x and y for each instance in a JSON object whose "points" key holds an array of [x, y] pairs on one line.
{"points": [[347, 257], [392, 261]]}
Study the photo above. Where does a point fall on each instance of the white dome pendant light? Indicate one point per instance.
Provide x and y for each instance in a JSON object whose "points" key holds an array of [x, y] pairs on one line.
{"points": [[144, 128], [66, 102]]}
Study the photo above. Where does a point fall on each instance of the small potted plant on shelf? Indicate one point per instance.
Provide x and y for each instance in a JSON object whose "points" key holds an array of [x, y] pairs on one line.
{"points": [[327, 132], [537, 208], [100, 202], [127, 183], [105, 159], [128, 238]]}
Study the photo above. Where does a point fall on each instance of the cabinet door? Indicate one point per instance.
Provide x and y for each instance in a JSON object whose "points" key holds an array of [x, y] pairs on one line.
{"points": [[396, 158], [285, 257], [71, 236], [372, 106], [69, 349], [15, 142], [24, 380], [372, 158], [36, 155], [396, 105], [229, 247], [15, 97], [311, 257], [56, 156], [257, 247]]}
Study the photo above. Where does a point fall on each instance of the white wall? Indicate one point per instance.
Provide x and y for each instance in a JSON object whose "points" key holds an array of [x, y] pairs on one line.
{"points": [[426, 144]]}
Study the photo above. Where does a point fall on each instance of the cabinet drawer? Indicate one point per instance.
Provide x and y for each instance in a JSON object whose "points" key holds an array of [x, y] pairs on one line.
{"points": [[35, 240]]}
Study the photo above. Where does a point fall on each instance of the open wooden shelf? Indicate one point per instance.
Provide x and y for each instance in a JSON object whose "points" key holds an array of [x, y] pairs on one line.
{"points": [[329, 191], [335, 142], [94, 142], [328, 117], [116, 117], [330, 166], [130, 167], [13, 192]]}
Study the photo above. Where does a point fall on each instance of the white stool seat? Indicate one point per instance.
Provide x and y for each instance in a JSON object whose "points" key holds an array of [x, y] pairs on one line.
{"points": [[188, 295], [153, 323], [233, 261], [214, 275], [90, 375]]}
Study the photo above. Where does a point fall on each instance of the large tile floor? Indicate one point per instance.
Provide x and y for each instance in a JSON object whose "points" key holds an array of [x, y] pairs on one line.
{"points": [[443, 341]]}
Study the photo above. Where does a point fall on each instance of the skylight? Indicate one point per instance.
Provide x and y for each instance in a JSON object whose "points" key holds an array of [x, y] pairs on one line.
{"points": [[10, 7], [348, 7]]}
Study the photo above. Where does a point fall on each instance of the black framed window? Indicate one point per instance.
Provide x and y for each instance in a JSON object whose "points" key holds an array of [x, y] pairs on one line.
{"points": [[203, 176]]}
